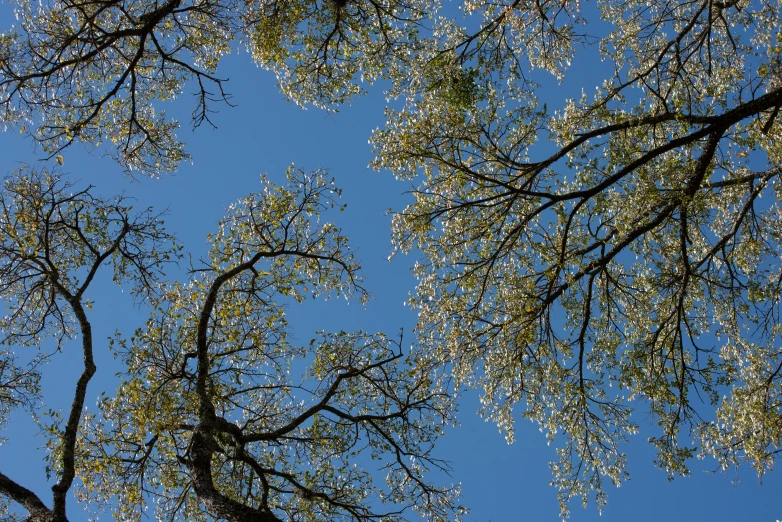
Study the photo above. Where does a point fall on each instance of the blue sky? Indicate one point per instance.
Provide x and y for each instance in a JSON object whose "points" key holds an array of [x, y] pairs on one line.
{"points": [[264, 134]]}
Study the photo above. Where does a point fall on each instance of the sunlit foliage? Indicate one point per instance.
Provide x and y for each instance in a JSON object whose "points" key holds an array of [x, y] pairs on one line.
{"points": [[97, 72], [613, 255], [581, 259], [53, 241], [210, 420]]}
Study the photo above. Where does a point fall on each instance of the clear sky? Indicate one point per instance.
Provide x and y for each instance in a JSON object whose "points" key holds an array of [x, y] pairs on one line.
{"points": [[264, 134]]}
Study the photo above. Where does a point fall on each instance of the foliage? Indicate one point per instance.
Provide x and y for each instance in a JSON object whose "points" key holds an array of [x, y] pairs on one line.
{"points": [[578, 264], [208, 421], [52, 243], [96, 72], [616, 254]]}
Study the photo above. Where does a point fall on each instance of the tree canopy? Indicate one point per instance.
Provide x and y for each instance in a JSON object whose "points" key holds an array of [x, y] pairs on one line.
{"points": [[210, 419], [580, 259], [613, 254]]}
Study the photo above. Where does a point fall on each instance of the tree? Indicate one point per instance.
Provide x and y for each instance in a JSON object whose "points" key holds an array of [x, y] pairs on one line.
{"points": [[53, 243], [208, 421], [579, 263], [96, 72], [614, 255]]}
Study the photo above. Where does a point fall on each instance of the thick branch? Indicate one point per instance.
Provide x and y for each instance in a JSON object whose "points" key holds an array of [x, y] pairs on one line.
{"points": [[37, 510]]}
